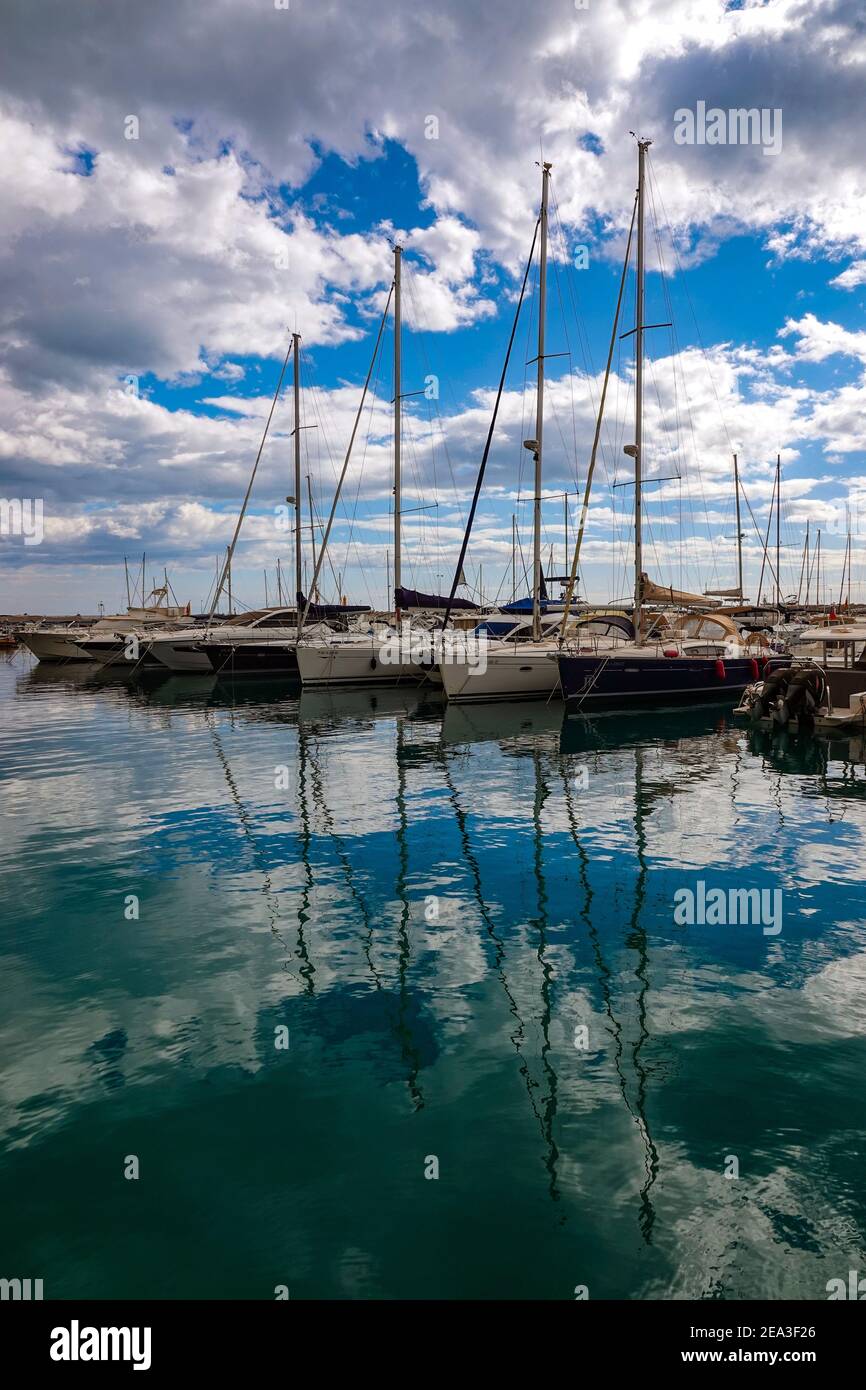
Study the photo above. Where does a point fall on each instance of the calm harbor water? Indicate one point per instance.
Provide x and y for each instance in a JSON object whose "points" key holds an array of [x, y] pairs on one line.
{"points": [[465, 921]]}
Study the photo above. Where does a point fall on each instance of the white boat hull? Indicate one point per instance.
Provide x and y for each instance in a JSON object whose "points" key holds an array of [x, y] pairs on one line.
{"points": [[52, 647], [355, 663], [516, 674]]}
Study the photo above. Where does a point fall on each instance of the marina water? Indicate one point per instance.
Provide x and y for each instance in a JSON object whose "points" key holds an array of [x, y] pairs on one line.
{"points": [[389, 1000]]}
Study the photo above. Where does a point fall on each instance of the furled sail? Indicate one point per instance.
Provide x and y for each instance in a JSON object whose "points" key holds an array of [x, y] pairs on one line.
{"points": [[413, 598], [657, 593], [318, 612]]}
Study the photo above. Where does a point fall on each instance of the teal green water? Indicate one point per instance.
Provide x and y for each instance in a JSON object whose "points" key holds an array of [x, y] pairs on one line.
{"points": [[434, 903]]}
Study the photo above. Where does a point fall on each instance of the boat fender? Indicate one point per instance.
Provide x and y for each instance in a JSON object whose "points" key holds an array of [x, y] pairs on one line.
{"points": [[720, 669], [373, 663], [670, 651], [755, 671]]}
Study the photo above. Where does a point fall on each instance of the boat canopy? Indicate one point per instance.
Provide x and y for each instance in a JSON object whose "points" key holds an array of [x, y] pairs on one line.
{"points": [[715, 627], [603, 624]]}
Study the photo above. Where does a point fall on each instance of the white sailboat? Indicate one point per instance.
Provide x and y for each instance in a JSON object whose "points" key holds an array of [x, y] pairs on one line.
{"points": [[376, 656], [523, 666]]}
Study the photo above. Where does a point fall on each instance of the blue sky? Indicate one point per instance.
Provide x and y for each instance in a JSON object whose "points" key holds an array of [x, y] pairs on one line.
{"points": [[151, 284]]}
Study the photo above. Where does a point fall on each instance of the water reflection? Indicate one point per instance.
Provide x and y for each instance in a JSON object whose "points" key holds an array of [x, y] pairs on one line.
{"points": [[432, 900]]}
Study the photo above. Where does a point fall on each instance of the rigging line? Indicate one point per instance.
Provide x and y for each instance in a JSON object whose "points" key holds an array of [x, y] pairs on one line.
{"points": [[327, 534], [374, 397], [489, 440], [757, 529], [731, 447], [676, 354], [558, 279], [598, 423], [569, 452], [422, 335], [585, 350], [231, 549]]}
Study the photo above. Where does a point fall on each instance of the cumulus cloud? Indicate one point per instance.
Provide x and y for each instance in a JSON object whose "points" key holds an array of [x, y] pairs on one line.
{"points": [[189, 251]]}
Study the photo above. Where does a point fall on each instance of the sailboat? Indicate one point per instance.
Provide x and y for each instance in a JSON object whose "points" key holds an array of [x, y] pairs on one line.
{"points": [[262, 641], [376, 656], [522, 665], [698, 658]]}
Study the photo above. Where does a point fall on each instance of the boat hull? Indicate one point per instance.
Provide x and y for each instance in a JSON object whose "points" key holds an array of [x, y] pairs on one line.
{"points": [[180, 656], [52, 647], [508, 675], [356, 663], [251, 658], [635, 682]]}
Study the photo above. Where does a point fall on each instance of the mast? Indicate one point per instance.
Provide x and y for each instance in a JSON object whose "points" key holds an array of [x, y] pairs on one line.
{"points": [[296, 339], [229, 577], [818, 571], [642, 146], [778, 527], [739, 530], [398, 252], [279, 584], [126, 572], [513, 557], [539, 413]]}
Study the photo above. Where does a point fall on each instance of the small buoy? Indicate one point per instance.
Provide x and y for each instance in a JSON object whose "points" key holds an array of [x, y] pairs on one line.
{"points": [[755, 671], [720, 669], [671, 651]]}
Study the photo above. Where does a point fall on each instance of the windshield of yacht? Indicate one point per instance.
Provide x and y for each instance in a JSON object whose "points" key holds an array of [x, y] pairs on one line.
{"points": [[266, 617]]}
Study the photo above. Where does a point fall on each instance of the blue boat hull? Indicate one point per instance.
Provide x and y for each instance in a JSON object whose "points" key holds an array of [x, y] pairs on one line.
{"points": [[598, 682]]}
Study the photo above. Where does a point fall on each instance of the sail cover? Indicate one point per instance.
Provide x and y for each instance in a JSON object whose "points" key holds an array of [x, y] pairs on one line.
{"points": [[320, 611], [657, 593], [413, 598]]}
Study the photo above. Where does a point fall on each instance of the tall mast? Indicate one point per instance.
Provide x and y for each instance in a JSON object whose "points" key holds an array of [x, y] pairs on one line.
{"points": [[539, 412], [642, 146], [398, 252], [296, 340], [778, 525], [739, 531], [229, 576]]}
